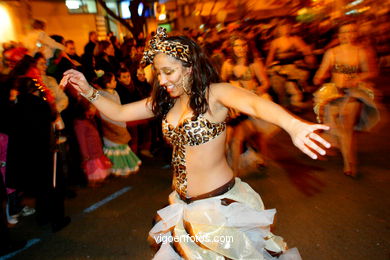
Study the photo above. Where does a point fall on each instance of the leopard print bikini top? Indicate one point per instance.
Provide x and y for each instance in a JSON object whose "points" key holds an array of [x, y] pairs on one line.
{"points": [[192, 131]]}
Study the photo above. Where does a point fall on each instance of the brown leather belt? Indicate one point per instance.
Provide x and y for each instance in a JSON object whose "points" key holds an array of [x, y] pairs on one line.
{"points": [[218, 191]]}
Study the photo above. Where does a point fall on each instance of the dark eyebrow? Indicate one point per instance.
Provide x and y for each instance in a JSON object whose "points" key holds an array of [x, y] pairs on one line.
{"points": [[165, 68]]}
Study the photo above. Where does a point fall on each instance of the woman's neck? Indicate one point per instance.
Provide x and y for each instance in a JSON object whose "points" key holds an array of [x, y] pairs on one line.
{"points": [[183, 100], [241, 61]]}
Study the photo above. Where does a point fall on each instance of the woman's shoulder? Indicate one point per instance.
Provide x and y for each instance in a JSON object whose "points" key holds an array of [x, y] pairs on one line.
{"points": [[332, 51], [218, 86], [335, 48], [216, 91]]}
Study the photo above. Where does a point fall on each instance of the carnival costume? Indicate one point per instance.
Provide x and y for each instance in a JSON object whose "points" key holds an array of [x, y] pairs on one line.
{"points": [[96, 165], [285, 70], [190, 227], [249, 82], [330, 94], [251, 157], [115, 139]]}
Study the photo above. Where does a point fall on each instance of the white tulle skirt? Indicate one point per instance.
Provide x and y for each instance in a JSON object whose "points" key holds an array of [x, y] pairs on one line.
{"points": [[213, 229]]}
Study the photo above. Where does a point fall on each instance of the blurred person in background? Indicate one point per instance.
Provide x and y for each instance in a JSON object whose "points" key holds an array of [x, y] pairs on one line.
{"points": [[147, 129], [70, 49], [127, 52], [213, 49], [61, 99], [12, 53], [30, 159], [115, 134], [105, 59], [64, 64], [243, 68], [382, 37], [6, 244], [246, 71], [128, 93], [116, 44], [89, 48], [37, 40], [88, 60], [347, 103], [11, 56], [287, 79], [131, 58], [95, 164]]}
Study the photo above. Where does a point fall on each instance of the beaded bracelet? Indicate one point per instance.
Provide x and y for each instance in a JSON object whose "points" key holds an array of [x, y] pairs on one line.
{"points": [[91, 97]]}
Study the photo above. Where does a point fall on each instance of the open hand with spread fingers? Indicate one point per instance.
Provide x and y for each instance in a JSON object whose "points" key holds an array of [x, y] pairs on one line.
{"points": [[304, 137]]}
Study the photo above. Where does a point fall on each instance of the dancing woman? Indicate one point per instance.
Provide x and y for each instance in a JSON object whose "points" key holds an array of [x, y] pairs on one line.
{"points": [[347, 103], [242, 69], [207, 200], [286, 76]]}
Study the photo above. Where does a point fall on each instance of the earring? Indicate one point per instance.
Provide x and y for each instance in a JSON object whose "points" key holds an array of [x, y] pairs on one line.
{"points": [[186, 90]]}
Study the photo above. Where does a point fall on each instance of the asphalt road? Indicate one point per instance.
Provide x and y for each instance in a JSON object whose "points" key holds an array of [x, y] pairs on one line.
{"points": [[323, 213]]}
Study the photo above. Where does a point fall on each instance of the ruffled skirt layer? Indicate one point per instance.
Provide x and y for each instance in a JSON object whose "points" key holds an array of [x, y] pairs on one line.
{"points": [[330, 94], [234, 225], [124, 161], [97, 169]]}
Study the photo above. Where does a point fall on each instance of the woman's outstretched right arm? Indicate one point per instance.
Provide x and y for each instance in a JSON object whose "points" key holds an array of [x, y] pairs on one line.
{"points": [[129, 112]]}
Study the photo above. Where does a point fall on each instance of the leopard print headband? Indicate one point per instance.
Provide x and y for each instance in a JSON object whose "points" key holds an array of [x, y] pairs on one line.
{"points": [[159, 44]]}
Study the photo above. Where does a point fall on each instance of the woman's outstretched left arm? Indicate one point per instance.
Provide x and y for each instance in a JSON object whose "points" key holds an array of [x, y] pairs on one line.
{"points": [[129, 112], [302, 133]]}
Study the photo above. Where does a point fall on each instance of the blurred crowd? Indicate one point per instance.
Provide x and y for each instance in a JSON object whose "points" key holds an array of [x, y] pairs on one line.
{"points": [[52, 138]]}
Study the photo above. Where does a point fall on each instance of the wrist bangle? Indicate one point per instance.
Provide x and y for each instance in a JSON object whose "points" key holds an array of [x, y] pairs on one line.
{"points": [[92, 97], [87, 95]]}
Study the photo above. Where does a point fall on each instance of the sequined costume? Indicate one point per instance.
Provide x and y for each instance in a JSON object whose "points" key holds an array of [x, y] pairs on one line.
{"points": [[246, 80], [345, 69], [329, 93], [229, 222]]}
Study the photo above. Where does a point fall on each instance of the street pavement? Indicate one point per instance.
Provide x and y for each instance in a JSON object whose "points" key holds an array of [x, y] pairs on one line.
{"points": [[323, 213]]}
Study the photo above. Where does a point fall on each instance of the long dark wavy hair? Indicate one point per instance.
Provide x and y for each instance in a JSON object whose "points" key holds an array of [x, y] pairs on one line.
{"points": [[250, 55], [203, 74]]}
